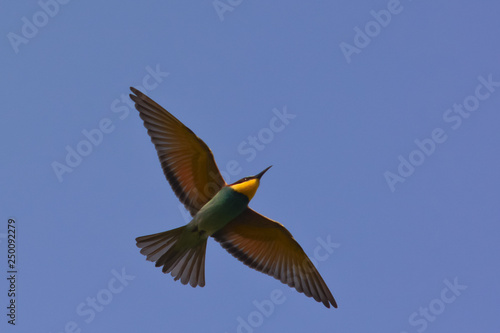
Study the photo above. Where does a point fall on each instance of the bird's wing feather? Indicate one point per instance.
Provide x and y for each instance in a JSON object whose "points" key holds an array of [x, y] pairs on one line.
{"points": [[186, 160], [265, 245]]}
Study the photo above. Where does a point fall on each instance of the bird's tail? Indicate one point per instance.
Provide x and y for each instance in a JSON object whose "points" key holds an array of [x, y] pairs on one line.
{"points": [[179, 251]]}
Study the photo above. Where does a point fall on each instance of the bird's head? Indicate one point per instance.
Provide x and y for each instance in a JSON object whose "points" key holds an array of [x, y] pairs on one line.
{"points": [[248, 185]]}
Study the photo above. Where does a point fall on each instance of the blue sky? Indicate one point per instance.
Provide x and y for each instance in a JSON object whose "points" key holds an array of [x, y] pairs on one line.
{"points": [[379, 117]]}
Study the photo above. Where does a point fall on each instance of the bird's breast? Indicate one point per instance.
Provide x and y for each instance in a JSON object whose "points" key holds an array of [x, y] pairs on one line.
{"points": [[220, 210]]}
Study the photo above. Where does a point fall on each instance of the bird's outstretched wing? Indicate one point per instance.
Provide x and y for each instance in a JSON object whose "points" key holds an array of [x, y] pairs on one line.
{"points": [[186, 160], [265, 245]]}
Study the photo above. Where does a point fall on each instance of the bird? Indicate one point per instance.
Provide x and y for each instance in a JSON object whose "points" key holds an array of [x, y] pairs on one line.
{"points": [[219, 210]]}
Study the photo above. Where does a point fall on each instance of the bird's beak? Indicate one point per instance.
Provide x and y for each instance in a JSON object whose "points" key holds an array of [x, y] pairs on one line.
{"points": [[262, 173]]}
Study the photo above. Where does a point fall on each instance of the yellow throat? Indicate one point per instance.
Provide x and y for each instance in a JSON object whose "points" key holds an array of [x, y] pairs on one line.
{"points": [[247, 188]]}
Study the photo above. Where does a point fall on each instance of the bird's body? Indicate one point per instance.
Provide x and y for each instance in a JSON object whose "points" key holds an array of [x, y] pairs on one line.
{"points": [[220, 211]]}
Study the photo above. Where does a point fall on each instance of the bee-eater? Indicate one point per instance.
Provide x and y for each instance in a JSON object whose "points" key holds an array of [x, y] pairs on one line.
{"points": [[219, 210]]}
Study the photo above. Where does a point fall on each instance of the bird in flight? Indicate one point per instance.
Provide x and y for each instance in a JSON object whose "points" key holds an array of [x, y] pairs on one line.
{"points": [[219, 210]]}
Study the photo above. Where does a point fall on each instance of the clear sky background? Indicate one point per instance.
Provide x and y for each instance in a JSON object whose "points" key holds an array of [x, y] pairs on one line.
{"points": [[388, 155]]}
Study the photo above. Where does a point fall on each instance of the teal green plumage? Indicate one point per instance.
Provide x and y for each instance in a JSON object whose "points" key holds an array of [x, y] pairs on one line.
{"points": [[219, 211]]}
